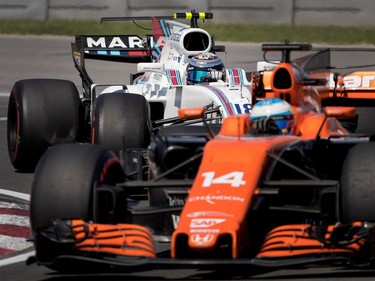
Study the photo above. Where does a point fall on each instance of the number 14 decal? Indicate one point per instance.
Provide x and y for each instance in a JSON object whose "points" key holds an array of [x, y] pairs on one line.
{"points": [[235, 179]]}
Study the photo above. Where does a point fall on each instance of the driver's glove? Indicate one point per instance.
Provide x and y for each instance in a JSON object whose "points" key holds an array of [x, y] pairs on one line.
{"points": [[265, 125], [214, 75]]}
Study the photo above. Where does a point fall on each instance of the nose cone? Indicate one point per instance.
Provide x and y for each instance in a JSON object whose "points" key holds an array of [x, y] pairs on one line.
{"points": [[209, 237], [202, 241]]}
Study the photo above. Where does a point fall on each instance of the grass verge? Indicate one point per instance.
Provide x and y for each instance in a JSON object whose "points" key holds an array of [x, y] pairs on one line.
{"points": [[222, 32]]}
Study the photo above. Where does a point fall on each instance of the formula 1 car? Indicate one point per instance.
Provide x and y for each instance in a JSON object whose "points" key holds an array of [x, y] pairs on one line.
{"points": [[353, 88], [216, 195], [45, 112]]}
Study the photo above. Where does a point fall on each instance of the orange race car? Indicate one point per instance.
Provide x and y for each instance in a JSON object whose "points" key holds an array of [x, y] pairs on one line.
{"points": [[245, 192], [353, 88]]}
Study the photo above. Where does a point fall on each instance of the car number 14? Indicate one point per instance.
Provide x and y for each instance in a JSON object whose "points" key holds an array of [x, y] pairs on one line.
{"points": [[234, 179]]}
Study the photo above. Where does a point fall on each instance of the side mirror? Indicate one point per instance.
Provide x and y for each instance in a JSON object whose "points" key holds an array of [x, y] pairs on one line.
{"points": [[235, 125], [191, 113]]}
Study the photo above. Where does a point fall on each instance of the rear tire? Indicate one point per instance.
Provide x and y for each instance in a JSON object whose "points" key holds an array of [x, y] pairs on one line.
{"points": [[121, 121], [41, 113], [357, 190]]}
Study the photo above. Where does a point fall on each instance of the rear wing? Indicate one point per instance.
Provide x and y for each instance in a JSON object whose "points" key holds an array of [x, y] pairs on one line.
{"points": [[118, 48], [121, 48]]}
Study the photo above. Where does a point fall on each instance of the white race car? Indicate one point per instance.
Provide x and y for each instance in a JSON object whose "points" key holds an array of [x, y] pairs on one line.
{"points": [[177, 68]]}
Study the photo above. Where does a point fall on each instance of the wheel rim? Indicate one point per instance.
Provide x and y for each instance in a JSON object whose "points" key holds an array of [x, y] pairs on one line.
{"points": [[13, 128]]}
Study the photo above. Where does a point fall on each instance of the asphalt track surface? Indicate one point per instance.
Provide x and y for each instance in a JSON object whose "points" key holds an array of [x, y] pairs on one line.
{"points": [[24, 57]]}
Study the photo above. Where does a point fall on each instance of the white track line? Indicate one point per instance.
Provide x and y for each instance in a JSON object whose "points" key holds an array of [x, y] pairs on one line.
{"points": [[16, 259], [16, 194]]}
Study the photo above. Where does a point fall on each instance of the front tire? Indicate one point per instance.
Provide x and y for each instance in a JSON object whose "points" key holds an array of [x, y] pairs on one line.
{"points": [[357, 190], [64, 188]]}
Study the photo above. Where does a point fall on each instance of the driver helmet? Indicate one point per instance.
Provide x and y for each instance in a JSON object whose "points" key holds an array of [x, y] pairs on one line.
{"points": [[277, 109], [200, 65]]}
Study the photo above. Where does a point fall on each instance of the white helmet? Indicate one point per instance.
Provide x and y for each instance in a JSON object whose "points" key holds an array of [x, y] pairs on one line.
{"points": [[277, 109]]}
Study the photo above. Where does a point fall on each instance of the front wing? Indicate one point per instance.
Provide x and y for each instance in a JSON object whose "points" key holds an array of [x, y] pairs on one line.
{"points": [[79, 245]]}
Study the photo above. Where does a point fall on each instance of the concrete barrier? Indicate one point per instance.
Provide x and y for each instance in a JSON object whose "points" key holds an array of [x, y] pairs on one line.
{"points": [[288, 12]]}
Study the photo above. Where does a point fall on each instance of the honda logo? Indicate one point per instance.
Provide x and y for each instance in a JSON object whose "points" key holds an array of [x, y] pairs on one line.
{"points": [[202, 238]]}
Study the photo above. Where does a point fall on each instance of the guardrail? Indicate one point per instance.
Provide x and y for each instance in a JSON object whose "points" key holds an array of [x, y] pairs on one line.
{"points": [[288, 12]]}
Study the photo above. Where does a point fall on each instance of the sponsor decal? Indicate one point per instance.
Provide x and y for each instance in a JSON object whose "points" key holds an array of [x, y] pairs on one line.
{"points": [[204, 230], [77, 58], [110, 42], [354, 81], [208, 214], [212, 198], [205, 222], [176, 201], [157, 77], [171, 54], [175, 37], [175, 220]]}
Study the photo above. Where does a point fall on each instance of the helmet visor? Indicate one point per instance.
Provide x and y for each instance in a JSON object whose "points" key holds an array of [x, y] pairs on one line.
{"points": [[197, 75]]}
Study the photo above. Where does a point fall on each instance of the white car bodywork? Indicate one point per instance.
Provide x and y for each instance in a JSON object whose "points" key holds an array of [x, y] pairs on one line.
{"points": [[163, 79]]}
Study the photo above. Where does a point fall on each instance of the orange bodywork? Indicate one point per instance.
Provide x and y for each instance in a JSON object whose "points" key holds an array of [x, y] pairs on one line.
{"points": [[228, 179], [120, 239], [297, 240], [340, 111], [309, 125], [286, 83], [224, 187]]}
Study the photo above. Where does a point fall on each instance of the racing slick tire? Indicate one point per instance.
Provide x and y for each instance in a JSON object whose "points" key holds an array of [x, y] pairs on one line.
{"points": [[41, 113], [121, 121], [64, 188], [357, 192]]}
